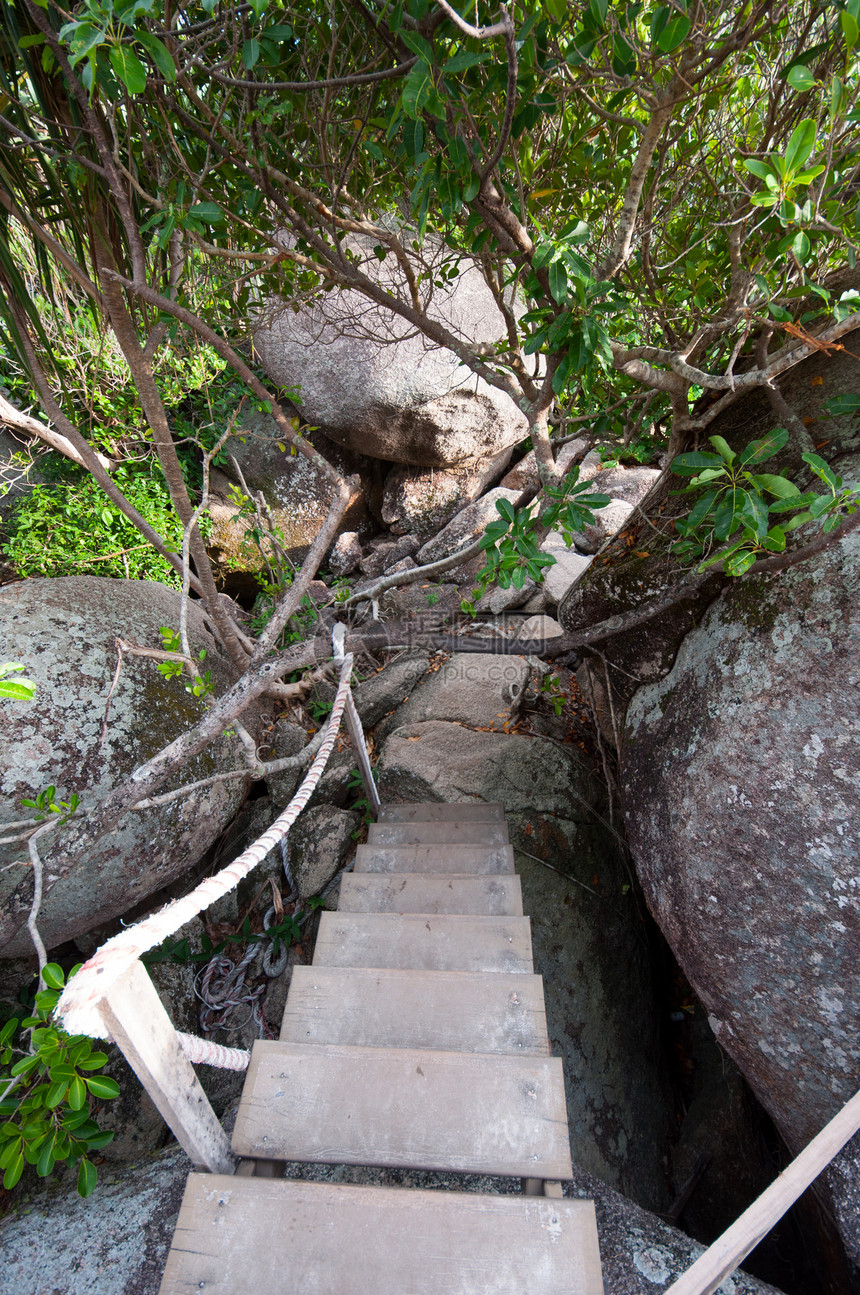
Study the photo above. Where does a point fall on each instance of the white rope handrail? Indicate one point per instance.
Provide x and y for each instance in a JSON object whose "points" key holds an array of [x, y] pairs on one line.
{"points": [[205, 1052], [78, 1008]]}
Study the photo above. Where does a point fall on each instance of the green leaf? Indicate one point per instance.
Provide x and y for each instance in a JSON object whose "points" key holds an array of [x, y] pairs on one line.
{"points": [[505, 507], [209, 213], [761, 169], [676, 30], [781, 487], [775, 539], [728, 516], [723, 449], [464, 59], [87, 1177], [102, 1087], [702, 508], [754, 514], [251, 53], [821, 470], [14, 1171], [850, 29], [738, 563], [77, 1093], [128, 68], [417, 89], [844, 404], [764, 448], [53, 975], [800, 519], [558, 281], [800, 145], [575, 231], [159, 54], [800, 78], [692, 462]]}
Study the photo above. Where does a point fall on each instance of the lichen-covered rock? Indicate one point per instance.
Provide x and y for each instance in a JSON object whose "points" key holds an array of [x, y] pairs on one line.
{"points": [[587, 934], [419, 501], [382, 692], [298, 496], [465, 527], [64, 631], [741, 777], [376, 385], [476, 688], [524, 475], [320, 843], [345, 553]]}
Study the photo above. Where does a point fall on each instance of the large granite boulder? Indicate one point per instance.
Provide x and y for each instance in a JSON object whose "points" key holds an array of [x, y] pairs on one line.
{"points": [[375, 384], [741, 776], [64, 631], [298, 496], [588, 936]]}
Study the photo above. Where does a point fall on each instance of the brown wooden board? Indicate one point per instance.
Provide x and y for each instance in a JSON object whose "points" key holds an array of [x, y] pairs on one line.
{"points": [[252, 1236], [456, 1011], [435, 858], [447, 833], [416, 892], [424, 941], [464, 811], [404, 1107]]}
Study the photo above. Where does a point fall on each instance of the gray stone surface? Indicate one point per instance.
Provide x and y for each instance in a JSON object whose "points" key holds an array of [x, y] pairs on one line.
{"points": [[382, 692], [480, 689], [741, 777], [345, 554], [569, 566], [286, 740], [524, 475], [372, 383], [385, 552], [421, 500], [320, 844], [467, 526], [64, 631], [588, 935], [297, 493]]}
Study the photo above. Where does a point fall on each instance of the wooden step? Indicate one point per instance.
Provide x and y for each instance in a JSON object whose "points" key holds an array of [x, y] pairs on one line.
{"points": [[415, 892], [405, 1107], [424, 941], [454, 1011], [246, 1236], [464, 811], [455, 832], [435, 858]]}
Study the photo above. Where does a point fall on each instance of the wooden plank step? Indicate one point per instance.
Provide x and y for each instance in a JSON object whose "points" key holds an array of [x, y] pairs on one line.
{"points": [[244, 1236], [424, 941], [435, 858], [455, 832], [455, 1011], [415, 892], [405, 1107], [463, 811]]}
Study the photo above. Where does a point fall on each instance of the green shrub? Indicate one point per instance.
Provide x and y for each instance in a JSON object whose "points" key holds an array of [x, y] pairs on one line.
{"points": [[47, 1086], [67, 526]]}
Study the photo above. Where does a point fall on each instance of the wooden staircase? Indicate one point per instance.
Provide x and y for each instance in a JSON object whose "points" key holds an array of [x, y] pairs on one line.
{"points": [[417, 1039]]}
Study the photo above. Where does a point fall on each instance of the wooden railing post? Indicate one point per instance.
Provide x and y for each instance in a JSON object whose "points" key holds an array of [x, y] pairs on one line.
{"points": [[135, 1019]]}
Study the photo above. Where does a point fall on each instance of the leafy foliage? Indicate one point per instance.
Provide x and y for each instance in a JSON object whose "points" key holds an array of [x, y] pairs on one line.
{"points": [[67, 527], [733, 507], [22, 688], [512, 545], [47, 1094]]}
